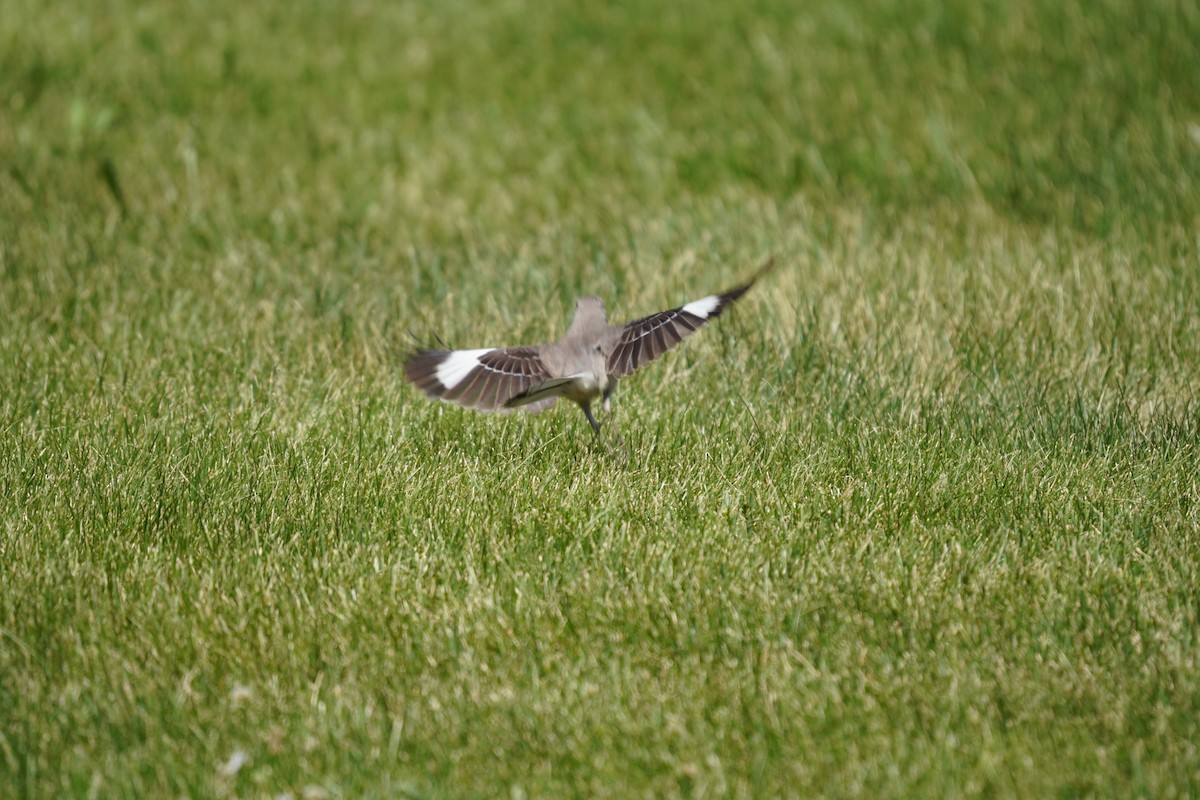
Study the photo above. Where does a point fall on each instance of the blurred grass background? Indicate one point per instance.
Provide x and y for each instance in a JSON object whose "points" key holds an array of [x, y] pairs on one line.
{"points": [[919, 517]]}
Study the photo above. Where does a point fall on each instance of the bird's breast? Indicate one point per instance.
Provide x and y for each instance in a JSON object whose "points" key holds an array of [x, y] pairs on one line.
{"points": [[587, 386]]}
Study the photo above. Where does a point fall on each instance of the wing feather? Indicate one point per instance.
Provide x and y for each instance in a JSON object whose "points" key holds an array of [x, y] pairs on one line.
{"points": [[643, 340], [484, 379]]}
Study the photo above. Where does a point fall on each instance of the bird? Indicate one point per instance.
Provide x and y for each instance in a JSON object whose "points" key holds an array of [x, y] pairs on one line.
{"points": [[583, 366]]}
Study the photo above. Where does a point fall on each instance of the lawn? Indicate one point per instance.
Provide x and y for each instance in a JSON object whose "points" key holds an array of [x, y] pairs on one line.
{"points": [[918, 517]]}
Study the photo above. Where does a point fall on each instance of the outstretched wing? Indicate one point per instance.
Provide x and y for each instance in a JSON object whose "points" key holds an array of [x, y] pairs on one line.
{"points": [[484, 379], [643, 340]]}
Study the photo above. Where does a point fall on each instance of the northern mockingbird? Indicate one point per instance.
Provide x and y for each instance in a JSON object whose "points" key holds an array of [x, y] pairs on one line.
{"points": [[582, 367]]}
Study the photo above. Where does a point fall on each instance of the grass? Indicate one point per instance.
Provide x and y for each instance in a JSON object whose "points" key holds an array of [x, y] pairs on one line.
{"points": [[919, 517]]}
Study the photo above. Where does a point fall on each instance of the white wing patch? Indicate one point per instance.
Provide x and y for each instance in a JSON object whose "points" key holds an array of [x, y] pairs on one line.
{"points": [[458, 365], [703, 307]]}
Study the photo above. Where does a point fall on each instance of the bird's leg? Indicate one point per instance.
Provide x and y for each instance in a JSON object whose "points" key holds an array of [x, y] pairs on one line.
{"points": [[587, 410], [612, 387], [615, 448]]}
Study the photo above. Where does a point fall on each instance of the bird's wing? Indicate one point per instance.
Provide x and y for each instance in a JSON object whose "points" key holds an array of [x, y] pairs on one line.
{"points": [[639, 342], [484, 379]]}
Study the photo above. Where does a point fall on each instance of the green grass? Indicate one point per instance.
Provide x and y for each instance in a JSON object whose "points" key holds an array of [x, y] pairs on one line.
{"points": [[919, 517]]}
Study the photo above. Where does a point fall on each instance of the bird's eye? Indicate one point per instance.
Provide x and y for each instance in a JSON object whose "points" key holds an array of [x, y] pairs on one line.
{"points": [[598, 349]]}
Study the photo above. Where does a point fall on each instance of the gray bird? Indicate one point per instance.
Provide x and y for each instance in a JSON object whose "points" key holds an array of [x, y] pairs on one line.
{"points": [[582, 367]]}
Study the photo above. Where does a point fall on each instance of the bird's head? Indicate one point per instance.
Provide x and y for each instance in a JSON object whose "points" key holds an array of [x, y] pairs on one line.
{"points": [[589, 314]]}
